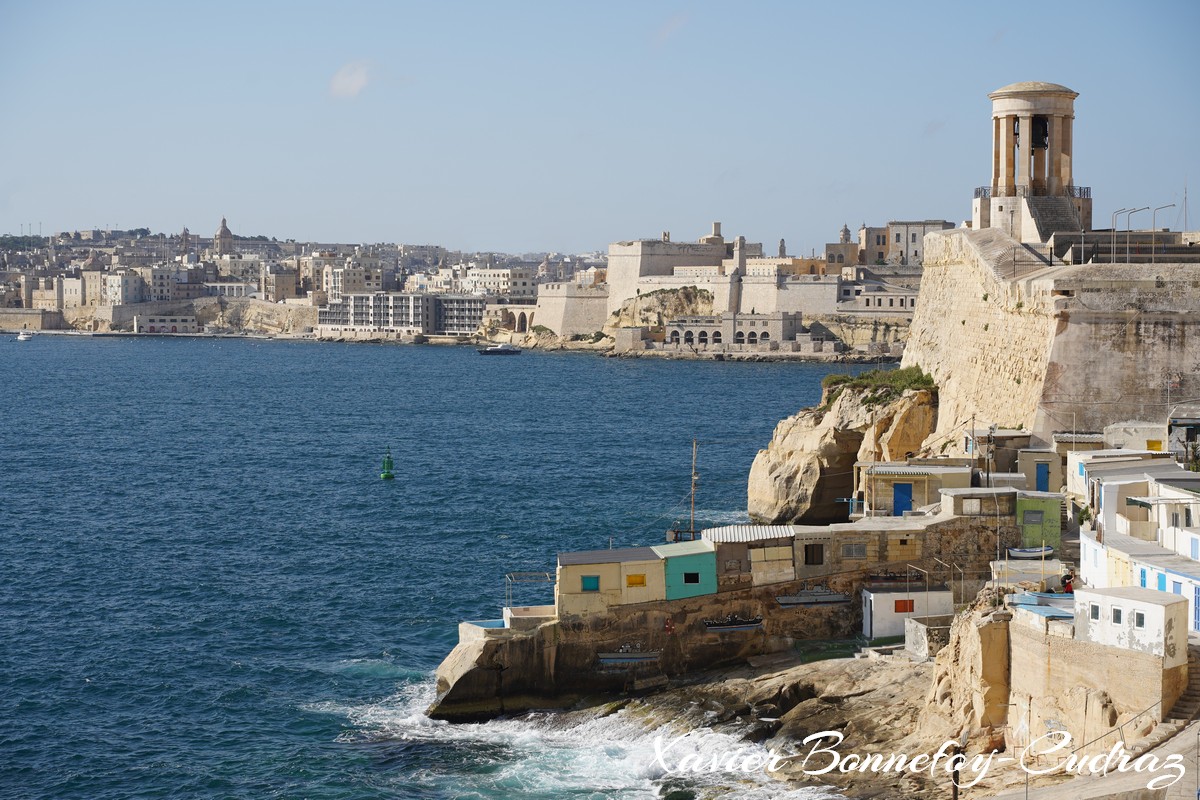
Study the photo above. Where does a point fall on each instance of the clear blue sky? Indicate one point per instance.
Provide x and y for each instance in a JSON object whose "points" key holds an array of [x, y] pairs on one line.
{"points": [[523, 126]]}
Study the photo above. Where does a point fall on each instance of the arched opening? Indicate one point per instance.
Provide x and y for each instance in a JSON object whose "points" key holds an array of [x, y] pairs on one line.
{"points": [[752, 338], [521, 322], [687, 338], [174, 329], [766, 337], [531, 320], [508, 321], [841, 259], [716, 337], [150, 329], [674, 337], [703, 337], [739, 337]]}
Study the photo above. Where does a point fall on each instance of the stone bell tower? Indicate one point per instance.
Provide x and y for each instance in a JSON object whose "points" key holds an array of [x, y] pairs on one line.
{"points": [[1033, 191]]}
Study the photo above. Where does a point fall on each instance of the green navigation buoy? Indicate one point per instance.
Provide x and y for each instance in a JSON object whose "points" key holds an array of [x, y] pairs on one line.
{"points": [[387, 466]]}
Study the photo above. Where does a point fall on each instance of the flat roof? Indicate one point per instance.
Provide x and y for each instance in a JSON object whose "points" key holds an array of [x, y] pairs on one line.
{"points": [[917, 587], [694, 547], [1151, 554], [1050, 612], [608, 556], [1152, 596]]}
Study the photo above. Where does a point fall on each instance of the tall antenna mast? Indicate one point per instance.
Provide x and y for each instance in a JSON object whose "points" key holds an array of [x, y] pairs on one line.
{"points": [[695, 478]]}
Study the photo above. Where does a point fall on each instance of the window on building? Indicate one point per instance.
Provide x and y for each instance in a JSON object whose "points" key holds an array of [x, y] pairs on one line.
{"points": [[905, 606], [589, 583], [635, 580], [1139, 619], [691, 577], [897, 238], [1116, 616], [891, 302], [1094, 611], [914, 239], [1187, 517], [854, 551], [814, 554]]}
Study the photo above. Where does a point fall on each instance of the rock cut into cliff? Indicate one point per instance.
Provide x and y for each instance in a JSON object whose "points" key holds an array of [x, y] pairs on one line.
{"points": [[807, 470]]}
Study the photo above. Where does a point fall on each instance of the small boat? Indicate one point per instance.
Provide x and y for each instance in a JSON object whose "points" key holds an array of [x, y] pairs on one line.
{"points": [[503, 349], [812, 597], [24, 336], [629, 657], [733, 622], [1027, 553]]}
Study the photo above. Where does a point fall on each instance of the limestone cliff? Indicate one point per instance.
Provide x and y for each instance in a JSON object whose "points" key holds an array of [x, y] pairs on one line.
{"points": [[654, 309], [809, 463], [242, 314], [215, 314]]}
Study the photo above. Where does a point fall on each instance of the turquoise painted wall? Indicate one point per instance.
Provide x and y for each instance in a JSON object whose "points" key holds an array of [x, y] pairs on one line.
{"points": [[703, 563]]}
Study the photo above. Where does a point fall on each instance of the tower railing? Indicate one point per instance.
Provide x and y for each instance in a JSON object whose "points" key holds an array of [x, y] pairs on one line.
{"points": [[1081, 192]]}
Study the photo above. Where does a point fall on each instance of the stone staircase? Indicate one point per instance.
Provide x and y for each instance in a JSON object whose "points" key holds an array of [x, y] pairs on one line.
{"points": [[1053, 214], [1186, 709]]}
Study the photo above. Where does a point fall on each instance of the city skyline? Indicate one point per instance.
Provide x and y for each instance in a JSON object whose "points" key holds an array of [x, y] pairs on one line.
{"points": [[534, 127]]}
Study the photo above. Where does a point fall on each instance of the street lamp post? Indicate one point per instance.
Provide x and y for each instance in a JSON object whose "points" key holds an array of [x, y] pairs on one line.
{"points": [[1128, 223], [1114, 233], [1154, 228]]}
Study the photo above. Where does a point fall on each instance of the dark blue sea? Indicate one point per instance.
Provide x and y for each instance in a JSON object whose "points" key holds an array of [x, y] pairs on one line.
{"points": [[207, 591]]}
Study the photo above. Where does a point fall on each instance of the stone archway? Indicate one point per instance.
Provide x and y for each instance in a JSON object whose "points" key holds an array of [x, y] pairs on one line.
{"points": [[521, 322]]}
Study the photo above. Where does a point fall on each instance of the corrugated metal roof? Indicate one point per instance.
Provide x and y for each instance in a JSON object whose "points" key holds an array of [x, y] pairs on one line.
{"points": [[1079, 437], [907, 470], [608, 556], [683, 548], [747, 533]]}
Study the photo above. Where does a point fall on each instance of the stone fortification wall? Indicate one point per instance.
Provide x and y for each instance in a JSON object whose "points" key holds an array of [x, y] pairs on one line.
{"points": [[629, 261], [985, 341], [805, 294], [1127, 344], [1057, 348], [569, 309], [32, 319]]}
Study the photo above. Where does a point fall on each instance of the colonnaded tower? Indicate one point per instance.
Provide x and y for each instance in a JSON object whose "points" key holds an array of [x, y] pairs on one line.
{"points": [[1033, 192]]}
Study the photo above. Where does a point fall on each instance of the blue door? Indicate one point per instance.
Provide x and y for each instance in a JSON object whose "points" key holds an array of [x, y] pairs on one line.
{"points": [[1162, 582], [1043, 477], [901, 498]]}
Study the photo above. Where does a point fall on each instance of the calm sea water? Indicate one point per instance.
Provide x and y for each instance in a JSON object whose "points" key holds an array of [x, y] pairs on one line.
{"points": [[206, 590]]}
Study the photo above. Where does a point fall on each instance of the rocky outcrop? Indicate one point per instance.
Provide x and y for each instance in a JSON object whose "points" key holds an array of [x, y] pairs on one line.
{"points": [[655, 309], [809, 464], [247, 315], [970, 688]]}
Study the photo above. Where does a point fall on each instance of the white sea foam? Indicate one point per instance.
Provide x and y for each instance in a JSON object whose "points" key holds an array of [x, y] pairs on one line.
{"points": [[551, 755]]}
